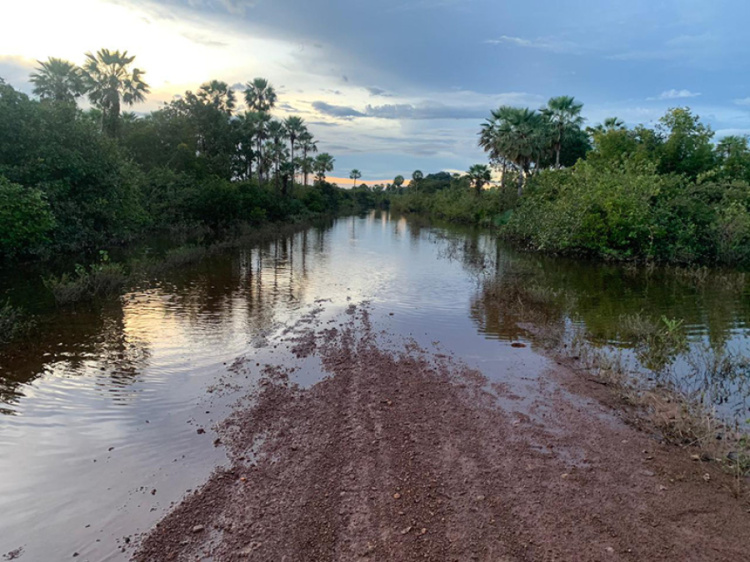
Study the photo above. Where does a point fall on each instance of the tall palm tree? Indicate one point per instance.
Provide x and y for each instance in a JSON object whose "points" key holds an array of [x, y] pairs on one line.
{"points": [[257, 125], [58, 80], [323, 163], [563, 112], [110, 83], [308, 146], [354, 175], [219, 95], [260, 95], [516, 135], [294, 126], [479, 175], [398, 181]]}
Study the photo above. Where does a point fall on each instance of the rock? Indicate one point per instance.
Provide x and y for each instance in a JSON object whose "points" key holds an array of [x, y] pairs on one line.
{"points": [[517, 344], [406, 530], [396, 496], [610, 550], [198, 528], [200, 431], [707, 477]]}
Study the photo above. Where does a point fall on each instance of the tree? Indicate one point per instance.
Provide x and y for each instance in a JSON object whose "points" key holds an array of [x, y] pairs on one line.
{"points": [[218, 95], [416, 178], [563, 112], [308, 146], [58, 80], [514, 135], [687, 148], [277, 134], [257, 124], [398, 181], [323, 163], [479, 175], [110, 83], [260, 95], [295, 127], [354, 176]]}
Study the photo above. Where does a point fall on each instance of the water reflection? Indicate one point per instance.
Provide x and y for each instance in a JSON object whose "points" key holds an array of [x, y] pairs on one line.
{"points": [[133, 374]]}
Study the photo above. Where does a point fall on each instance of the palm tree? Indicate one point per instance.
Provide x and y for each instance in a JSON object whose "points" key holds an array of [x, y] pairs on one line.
{"points": [[308, 145], [260, 95], [277, 134], [110, 83], [416, 177], [398, 181], [732, 145], [58, 80], [257, 125], [219, 95], [294, 126], [479, 175], [354, 176], [516, 136], [563, 112], [323, 163]]}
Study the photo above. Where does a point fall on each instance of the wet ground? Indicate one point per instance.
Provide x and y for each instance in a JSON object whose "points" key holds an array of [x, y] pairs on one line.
{"points": [[114, 413]]}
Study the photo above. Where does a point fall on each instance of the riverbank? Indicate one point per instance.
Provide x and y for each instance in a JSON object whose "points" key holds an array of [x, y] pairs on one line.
{"points": [[104, 276], [405, 453]]}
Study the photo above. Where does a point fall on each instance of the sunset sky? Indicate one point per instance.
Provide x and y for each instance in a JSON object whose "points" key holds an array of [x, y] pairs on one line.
{"points": [[395, 85]]}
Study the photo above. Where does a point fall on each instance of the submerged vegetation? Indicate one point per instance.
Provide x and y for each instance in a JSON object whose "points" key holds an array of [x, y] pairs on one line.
{"points": [[74, 180]]}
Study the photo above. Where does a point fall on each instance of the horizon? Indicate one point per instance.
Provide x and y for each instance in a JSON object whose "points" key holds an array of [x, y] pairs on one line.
{"points": [[412, 96]]}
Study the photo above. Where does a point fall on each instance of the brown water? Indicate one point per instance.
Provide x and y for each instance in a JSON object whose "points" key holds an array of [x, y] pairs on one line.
{"points": [[100, 416]]}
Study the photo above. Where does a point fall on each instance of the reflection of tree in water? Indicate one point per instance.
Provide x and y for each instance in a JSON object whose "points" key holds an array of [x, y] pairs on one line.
{"points": [[515, 287], [88, 341]]}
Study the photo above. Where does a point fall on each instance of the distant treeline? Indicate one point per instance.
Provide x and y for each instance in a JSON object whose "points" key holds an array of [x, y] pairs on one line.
{"points": [[74, 180], [667, 193]]}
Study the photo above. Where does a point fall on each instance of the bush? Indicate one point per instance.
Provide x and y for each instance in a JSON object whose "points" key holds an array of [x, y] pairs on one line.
{"points": [[25, 219], [102, 279]]}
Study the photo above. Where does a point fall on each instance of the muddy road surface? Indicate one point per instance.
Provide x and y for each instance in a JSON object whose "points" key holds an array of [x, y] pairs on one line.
{"points": [[405, 453]]}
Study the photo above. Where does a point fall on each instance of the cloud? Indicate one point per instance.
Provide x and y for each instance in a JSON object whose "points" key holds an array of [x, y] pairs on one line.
{"points": [[425, 110], [550, 44], [340, 111], [742, 101], [675, 95], [375, 91]]}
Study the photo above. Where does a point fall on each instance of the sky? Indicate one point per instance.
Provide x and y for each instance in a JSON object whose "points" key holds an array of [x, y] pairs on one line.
{"points": [[390, 86]]}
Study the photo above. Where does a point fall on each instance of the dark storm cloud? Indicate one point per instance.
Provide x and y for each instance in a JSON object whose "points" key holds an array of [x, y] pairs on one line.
{"points": [[339, 111]]}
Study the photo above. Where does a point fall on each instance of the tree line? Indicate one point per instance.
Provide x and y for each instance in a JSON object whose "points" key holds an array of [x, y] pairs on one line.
{"points": [[665, 193], [74, 179]]}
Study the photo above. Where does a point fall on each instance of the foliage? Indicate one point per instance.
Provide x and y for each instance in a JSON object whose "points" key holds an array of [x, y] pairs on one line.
{"points": [[25, 219], [100, 279], [75, 181]]}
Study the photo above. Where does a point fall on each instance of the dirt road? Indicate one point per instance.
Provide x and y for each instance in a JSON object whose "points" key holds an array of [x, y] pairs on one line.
{"points": [[408, 455]]}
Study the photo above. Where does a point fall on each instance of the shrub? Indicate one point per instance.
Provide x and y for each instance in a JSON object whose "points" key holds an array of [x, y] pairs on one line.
{"points": [[25, 219]]}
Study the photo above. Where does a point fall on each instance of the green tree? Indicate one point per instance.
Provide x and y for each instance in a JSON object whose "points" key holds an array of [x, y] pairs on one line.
{"points": [[479, 175], [110, 83], [354, 175], [416, 179], [687, 148], [25, 219], [563, 112], [309, 146], [323, 164], [398, 181], [58, 80], [260, 95], [295, 127], [218, 95], [517, 136]]}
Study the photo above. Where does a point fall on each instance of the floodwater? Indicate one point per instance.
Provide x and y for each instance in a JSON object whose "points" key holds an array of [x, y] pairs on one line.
{"points": [[106, 419]]}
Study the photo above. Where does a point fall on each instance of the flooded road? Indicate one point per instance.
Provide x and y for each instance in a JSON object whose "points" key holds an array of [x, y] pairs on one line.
{"points": [[108, 418]]}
